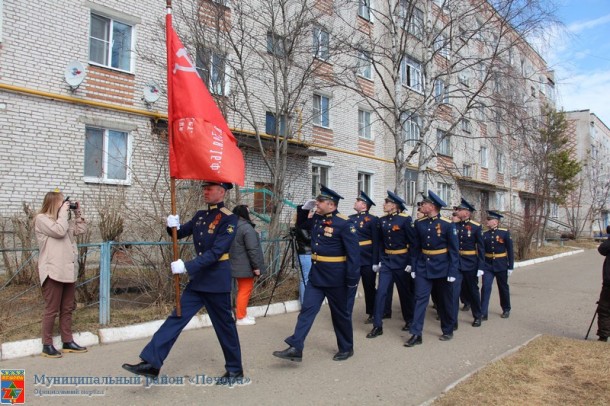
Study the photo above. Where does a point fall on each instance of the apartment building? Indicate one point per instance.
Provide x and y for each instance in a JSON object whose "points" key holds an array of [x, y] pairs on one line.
{"points": [[357, 94]]}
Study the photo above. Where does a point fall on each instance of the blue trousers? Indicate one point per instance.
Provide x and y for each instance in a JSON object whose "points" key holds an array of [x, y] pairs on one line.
{"points": [[342, 322], [404, 285], [218, 306], [423, 289], [503, 290], [470, 291]]}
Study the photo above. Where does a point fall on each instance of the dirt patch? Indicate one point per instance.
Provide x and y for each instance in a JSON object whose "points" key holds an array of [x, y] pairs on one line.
{"points": [[548, 371]]}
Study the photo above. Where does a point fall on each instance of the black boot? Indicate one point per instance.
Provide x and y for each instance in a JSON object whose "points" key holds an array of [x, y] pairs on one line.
{"points": [[49, 351]]}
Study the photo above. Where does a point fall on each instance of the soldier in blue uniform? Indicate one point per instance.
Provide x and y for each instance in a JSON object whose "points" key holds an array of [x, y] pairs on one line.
{"points": [[395, 235], [335, 256], [367, 226], [435, 259], [472, 260], [213, 231], [499, 262]]}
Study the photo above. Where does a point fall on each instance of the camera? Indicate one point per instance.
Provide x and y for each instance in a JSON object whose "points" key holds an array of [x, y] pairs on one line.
{"points": [[73, 205]]}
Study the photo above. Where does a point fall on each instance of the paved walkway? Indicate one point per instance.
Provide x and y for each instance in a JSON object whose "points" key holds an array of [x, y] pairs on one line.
{"points": [[556, 297]]}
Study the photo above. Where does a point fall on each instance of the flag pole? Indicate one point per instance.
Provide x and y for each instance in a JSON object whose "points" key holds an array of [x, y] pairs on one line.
{"points": [[172, 186]]}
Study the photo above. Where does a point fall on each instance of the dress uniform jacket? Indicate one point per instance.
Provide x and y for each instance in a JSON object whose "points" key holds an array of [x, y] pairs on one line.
{"points": [[432, 236], [367, 227], [335, 252], [472, 250], [499, 255], [213, 231], [396, 236]]}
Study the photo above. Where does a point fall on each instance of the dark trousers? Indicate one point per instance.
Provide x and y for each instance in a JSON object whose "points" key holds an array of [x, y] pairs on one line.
{"points": [[470, 290], [464, 297], [218, 306], [603, 312], [444, 297], [342, 322], [503, 290], [368, 284], [404, 285], [58, 299]]}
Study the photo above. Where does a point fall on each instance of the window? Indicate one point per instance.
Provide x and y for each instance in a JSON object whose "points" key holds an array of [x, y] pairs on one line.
{"points": [[212, 68], [321, 44], [464, 78], [411, 74], [275, 45], [483, 157], [319, 176], [467, 171], [411, 128], [414, 18], [444, 192], [500, 162], [364, 124], [364, 183], [107, 156], [500, 201], [466, 126], [441, 45], [262, 198], [410, 186], [444, 143], [554, 210], [440, 91], [110, 43], [365, 65], [364, 9], [274, 126], [321, 114], [542, 85]]}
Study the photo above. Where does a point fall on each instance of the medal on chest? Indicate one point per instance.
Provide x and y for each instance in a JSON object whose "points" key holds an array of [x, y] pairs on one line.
{"points": [[437, 227]]}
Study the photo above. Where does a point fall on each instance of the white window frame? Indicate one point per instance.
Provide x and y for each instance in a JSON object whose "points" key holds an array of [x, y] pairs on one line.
{"points": [[467, 170], [364, 124], [365, 9], [441, 45], [105, 157], [276, 45], [444, 192], [500, 162], [441, 95], [365, 182], [415, 26], [412, 74], [466, 125], [110, 42], [365, 65], [411, 128], [500, 201], [443, 140], [321, 43], [320, 110], [218, 83], [483, 157], [320, 174]]}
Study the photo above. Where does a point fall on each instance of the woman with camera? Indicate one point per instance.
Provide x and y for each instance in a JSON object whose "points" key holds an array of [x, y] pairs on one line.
{"points": [[247, 262], [58, 268]]}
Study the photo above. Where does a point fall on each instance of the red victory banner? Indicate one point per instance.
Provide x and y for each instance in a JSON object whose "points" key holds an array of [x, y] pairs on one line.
{"points": [[201, 145]]}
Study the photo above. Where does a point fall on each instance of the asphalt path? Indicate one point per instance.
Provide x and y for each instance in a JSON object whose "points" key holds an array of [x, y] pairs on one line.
{"points": [[556, 297]]}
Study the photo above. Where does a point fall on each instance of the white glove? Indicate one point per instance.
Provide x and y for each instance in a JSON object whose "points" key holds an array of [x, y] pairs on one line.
{"points": [[480, 273], [408, 268], [376, 267], [450, 279], [173, 221], [178, 267], [509, 272], [413, 275], [310, 204]]}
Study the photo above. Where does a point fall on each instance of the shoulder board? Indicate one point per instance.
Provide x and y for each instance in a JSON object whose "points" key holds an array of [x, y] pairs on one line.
{"points": [[475, 223], [420, 219], [403, 215], [226, 211], [503, 229], [342, 216], [445, 219]]}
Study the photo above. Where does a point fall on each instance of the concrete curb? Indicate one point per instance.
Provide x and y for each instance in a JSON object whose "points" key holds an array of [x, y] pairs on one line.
{"points": [[462, 379], [24, 348]]}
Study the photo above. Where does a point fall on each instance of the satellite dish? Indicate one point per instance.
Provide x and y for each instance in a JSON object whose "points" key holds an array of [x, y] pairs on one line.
{"points": [[151, 92], [75, 74]]}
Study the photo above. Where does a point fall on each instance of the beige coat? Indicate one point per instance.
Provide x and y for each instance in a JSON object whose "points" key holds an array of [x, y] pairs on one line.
{"points": [[58, 256]]}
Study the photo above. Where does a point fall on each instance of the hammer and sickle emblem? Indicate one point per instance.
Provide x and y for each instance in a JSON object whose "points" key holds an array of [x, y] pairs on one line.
{"points": [[183, 54]]}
